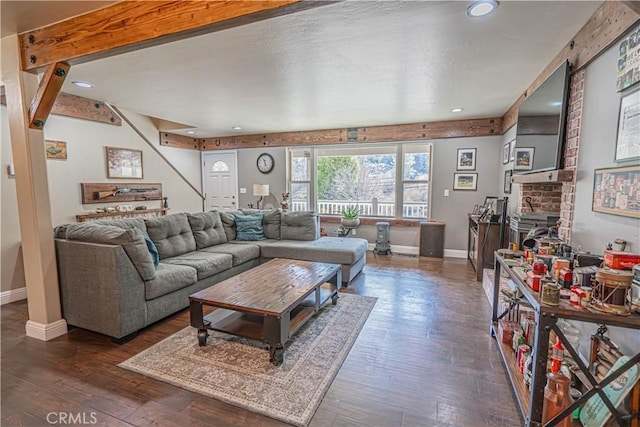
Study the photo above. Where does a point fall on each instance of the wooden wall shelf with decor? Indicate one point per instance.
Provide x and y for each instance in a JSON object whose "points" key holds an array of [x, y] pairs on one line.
{"points": [[112, 192], [144, 213]]}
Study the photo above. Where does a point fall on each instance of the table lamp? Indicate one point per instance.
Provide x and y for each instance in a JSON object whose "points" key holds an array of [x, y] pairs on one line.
{"points": [[260, 190]]}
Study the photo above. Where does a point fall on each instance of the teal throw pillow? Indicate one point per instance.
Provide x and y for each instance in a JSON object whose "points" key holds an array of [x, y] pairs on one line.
{"points": [[249, 227], [153, 250]]}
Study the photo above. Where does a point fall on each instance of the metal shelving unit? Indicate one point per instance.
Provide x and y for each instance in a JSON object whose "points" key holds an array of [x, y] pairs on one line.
{"points": [[546, 318]]}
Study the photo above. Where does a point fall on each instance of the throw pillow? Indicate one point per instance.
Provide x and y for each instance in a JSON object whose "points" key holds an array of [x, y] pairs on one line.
{"points": [[153, 250], [249, 227]]}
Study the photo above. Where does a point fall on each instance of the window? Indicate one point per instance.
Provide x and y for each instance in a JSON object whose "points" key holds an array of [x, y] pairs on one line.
{"points": [[367, 176], [220, 166]]}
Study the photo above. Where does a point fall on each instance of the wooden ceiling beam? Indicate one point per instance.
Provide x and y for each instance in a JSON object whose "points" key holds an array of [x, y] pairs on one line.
{"points": [[130, 25], [389, 133], [48, 89], [81, 108], [168, 139], [607, 25]]}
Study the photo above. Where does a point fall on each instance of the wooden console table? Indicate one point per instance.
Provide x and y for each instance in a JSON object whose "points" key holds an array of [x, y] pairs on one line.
{"points": [[483, 241]]}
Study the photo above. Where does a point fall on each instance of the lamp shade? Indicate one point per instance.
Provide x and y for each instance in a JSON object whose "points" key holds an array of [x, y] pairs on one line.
{"points": [[260, 189]]}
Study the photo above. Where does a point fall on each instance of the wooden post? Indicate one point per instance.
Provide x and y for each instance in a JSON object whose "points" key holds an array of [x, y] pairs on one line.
{"points": [[41, 273]]}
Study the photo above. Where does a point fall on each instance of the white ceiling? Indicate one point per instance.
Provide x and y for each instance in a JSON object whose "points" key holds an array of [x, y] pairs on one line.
{"points": [[349, 64]]}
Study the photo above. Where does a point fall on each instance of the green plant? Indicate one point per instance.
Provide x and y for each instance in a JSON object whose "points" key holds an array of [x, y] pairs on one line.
{"points": [[350, 211]]}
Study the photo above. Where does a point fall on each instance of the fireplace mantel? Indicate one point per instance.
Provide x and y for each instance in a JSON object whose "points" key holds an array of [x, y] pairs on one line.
{"points": [[558, 175]]}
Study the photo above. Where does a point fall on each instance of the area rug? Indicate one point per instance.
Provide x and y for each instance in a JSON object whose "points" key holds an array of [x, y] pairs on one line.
{"points": [[237, 370]]}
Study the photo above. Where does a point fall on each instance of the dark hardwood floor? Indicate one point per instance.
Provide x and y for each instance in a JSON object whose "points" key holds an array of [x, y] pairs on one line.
{"points": [[424, 358]]}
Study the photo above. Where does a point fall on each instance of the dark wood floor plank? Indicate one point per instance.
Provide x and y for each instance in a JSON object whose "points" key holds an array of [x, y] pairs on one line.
{"points": [[424, 358]]}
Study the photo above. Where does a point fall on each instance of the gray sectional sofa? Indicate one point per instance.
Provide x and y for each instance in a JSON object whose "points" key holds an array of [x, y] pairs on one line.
{"points": [[111, 284]]}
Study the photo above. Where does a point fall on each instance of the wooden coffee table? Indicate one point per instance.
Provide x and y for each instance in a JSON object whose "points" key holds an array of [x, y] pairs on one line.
{"points": [[269, 302]]}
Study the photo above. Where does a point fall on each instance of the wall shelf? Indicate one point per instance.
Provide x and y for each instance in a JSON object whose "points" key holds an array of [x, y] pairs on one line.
{"points": [[143, 213]]}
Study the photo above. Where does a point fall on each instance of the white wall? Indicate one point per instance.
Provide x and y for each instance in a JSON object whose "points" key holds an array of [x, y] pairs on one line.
{"points": [[86, 163]]}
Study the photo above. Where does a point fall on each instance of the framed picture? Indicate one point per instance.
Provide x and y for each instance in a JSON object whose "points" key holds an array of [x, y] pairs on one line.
{"points": [[523, 159], [466, 159], [506, 149], [56, 149], [507, 181], [512, 150], [615, 191], [629, 61], [465, 181], [124, 163], [628, 142]]}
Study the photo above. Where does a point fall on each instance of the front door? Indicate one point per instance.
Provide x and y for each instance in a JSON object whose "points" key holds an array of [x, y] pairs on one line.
{"points": [[220, 181]]}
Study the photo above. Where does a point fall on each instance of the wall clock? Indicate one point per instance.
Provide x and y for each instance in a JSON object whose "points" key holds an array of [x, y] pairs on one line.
{"points": [[265, 163]]}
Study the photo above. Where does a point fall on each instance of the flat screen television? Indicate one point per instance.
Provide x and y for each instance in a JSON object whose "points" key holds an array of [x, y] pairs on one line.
{"points": [[541, 124]]}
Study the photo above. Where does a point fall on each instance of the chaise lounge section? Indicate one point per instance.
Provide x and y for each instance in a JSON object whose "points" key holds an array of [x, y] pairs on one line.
{"points": [[119, 276]]}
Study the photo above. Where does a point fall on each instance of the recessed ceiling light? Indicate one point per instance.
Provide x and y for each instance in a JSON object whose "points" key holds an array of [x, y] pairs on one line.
{"points": [[190, 132], [82, 84], [481, 8], [457, 110], [236, 128]]}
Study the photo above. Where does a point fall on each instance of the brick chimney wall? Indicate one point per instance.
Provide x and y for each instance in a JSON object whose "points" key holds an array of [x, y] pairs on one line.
{"points": [[560, 197]]}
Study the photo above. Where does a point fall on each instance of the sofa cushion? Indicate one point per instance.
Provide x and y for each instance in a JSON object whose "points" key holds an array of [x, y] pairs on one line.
{"points": [[206, 263], [229, 225], [171, 234], [249, 227], [131, 241], [299, 226], [124, 223], [337, 250], [207, 229], [240, 253], [169, 278], [270, 221]]}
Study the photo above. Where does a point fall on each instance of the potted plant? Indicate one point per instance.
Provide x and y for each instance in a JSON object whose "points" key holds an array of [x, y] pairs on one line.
{"points": [[350, 216]]}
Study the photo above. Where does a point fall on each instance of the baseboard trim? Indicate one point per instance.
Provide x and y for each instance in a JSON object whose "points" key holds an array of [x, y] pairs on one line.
{"points": [[46, 332], [13, 295], [414, 250], [455, 253]]}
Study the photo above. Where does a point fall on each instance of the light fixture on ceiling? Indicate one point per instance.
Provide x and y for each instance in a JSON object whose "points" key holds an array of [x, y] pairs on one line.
{"points": [[481, 8], [457, 110], [80, 83], [236, 128], [190, 132], [556, 103]]}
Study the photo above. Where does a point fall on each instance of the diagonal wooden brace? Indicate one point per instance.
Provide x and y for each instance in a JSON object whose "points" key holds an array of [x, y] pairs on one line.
{"points": [[47, 93]]}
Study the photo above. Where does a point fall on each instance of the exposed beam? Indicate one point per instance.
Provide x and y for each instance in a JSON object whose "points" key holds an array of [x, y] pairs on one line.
{"points": [[390, 133], [45, 97], [81, 108], [179, 141], [130, 25], [85, 108], [633, 5], [610, 22]]}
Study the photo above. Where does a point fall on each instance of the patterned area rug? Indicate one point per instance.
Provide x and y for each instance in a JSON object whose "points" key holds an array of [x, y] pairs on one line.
{"points": [[237, 370]]}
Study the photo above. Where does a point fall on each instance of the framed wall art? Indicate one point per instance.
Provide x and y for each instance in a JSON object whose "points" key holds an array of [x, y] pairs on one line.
{"points": [[507, 181], [629, 61], [466, 159], [512, 150], [55, 149], [465, 181], [524, 159], [615, 191], [124, 163], [628, 139], [506, 150]]}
